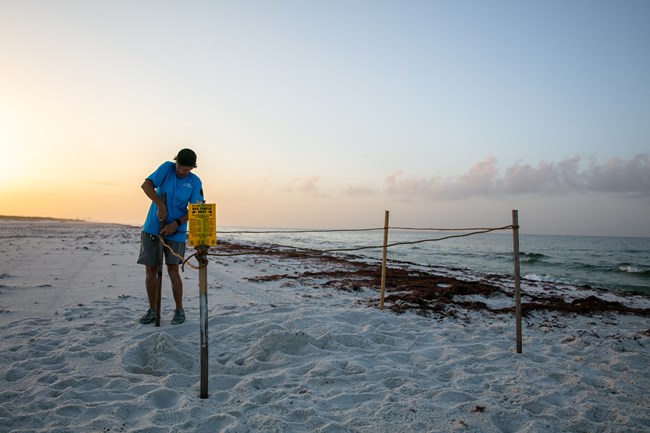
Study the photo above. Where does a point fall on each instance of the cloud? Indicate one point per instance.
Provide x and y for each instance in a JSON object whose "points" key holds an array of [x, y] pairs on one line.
{"points": [[412, 186], [361, 191], [630, 177], [621, 176], [481, 179], [546, 178], [307, 186]]}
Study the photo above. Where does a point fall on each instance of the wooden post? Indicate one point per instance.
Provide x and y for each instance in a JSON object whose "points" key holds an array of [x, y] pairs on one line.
{"points": [[383, 262], [515, 245], [159, 280], [202, 234], [203, 317], [161, 251]]}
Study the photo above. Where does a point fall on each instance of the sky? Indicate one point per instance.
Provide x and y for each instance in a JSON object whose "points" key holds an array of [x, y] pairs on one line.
{"points": [[324, 114]]}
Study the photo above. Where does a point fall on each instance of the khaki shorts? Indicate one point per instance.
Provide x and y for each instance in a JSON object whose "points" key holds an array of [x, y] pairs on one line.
{"points": [[149, 250]]}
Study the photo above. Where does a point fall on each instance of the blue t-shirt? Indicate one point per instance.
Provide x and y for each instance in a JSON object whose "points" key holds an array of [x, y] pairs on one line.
{"points": [[179, 193]]}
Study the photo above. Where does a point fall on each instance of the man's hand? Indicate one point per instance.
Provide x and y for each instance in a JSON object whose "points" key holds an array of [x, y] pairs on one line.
{"points": [[161, 212], [168, 229]]}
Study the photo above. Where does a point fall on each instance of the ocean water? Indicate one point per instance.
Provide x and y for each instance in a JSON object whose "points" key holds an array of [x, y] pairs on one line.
{"points": [[613, 263]]}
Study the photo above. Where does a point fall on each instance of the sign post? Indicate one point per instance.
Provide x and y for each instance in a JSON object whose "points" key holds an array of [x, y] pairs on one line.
{"points": [[203, 235]]}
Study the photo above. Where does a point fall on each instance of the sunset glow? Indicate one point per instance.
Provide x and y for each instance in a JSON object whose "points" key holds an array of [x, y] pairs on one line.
{"points": [[309, 114]]}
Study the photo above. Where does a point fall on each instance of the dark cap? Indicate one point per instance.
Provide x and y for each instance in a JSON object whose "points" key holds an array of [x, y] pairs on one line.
{"points": [[186, 157]]}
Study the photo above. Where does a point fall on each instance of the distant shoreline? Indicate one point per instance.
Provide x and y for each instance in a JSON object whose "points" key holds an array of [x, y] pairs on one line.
{"points": [[61, 220], [36, 218]]}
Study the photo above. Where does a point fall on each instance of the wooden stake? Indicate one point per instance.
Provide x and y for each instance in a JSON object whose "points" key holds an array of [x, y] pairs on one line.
{"points": [[515, 247], [159, 280], [383, 262], [203, 317], [161, 251]]}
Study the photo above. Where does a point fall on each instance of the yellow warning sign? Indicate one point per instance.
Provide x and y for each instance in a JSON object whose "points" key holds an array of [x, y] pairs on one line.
{"points": [[202, 225]]}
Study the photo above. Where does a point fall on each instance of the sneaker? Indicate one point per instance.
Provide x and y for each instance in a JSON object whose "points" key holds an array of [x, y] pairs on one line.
{"points": [[148, 317], [179, 317]]}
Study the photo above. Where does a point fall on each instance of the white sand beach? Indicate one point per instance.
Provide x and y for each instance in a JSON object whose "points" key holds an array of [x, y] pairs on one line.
{"points": [[287, 354]]}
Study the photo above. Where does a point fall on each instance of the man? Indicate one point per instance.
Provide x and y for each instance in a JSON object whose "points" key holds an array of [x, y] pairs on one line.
{"points": [[171, 188]]}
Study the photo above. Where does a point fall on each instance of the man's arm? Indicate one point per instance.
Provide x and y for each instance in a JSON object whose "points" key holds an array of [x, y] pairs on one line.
{"points": [[150, 191]]}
